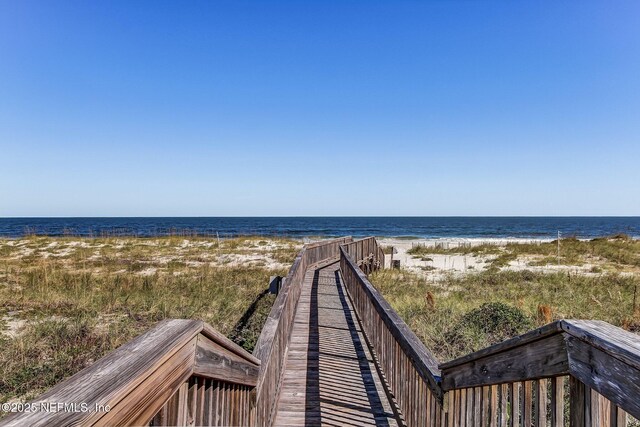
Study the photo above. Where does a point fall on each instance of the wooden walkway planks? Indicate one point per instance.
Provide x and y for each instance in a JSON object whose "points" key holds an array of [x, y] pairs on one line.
{"points": [[329, 375]]}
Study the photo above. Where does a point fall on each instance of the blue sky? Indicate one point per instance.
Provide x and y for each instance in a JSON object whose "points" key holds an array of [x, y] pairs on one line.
{"points": [[221, 108]]}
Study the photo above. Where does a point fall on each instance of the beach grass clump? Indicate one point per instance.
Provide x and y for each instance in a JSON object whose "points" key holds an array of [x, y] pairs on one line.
{"points": [[492, 322]]}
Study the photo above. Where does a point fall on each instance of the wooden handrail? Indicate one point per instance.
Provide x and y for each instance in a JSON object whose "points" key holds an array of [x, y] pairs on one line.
{"points": [[273, 341], [600, 356], [410, 370], [132, 384], [367, 254]]}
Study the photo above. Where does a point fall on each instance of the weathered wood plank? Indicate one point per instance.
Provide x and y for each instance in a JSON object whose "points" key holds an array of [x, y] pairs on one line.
{"points": [[614, 341], [504, 403], [541, 403], [214, 361], [272, 344], [538, 359], [609, 376], [519, 341], [143, 402], [330, 374], [477, 406], [514, 416], [110, 380]]}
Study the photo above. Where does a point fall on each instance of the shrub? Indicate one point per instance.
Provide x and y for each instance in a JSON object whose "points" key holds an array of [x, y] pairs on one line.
{"points": [[497, 319], [488, 324]]}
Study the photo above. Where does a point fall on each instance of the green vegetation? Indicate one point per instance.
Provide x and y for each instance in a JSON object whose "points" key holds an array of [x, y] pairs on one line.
{"points": [[65, 302], [615, 253], [247, 331], [464, 313], [491, 322]]}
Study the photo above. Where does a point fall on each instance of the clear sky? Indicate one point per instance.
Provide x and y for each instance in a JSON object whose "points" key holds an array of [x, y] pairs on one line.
{"points": [[219, 108]]}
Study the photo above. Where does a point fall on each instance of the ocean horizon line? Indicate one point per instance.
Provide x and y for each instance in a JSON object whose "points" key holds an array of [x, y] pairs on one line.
{"points": [[306, 226], [319, 216]]}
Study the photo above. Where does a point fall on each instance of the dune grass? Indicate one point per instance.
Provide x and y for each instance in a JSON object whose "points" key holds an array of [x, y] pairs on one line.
{"points": [[447, 315], [614, 253], [66, 302]]}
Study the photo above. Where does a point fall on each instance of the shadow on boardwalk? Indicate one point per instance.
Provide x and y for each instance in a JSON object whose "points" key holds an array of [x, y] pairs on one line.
{"points": [[341, 383]]}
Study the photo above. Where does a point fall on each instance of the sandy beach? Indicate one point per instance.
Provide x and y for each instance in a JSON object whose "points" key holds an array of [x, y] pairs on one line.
{"points": [[435, 265]]}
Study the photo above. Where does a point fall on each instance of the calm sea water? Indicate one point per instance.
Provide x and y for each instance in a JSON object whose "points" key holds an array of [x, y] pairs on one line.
{"points": [[430, 227]]}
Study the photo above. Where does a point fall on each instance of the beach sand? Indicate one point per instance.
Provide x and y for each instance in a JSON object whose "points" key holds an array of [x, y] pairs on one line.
{"points": [[435, 265]]}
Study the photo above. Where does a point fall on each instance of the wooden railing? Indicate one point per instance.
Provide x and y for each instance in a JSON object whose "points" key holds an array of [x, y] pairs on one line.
{"points": [[570, 372], [180, 372], [273, 342], [410, 370], [367, 254], [523, 381]]}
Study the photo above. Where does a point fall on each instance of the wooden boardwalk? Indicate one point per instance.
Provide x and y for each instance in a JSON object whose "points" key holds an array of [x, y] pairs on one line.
{"points": [[329, 375]]}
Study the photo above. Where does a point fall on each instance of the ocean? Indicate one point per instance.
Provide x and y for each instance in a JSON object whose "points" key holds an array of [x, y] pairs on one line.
{"points": [[298, 227]]}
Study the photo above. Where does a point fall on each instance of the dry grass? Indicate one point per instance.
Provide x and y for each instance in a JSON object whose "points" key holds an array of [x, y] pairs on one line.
{"points": [[444, 313], [615, 253], [65, 302]]}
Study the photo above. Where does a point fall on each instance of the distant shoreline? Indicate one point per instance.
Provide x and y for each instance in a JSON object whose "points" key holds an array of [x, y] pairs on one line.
{"points": [[400, 228], [403, 241]]}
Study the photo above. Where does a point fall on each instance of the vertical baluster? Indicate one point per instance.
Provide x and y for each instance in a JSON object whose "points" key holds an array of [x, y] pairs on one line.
{"points": [[599, 410], [403, 398], [416, 404], [206, 404], [526, 403], [463, 408], [469, 408], [557, 402], [451, 408], [216, 403], [192, 399], [396, 358], [588, 419], [241, 406], [182, 403], [504, 399], [200, 419], [456, 409], [514, 415], [541, 403], [493, 411], [477, 406], [427, 404], [424, 399], [485, 406], [432, 411], [227, 404]]}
